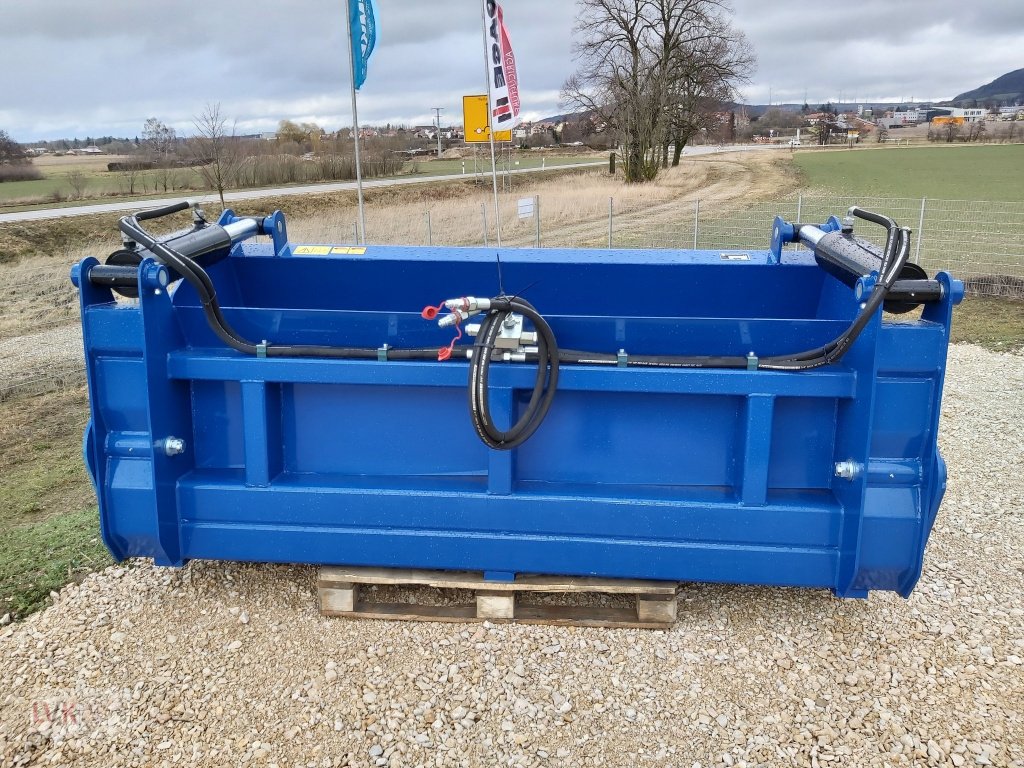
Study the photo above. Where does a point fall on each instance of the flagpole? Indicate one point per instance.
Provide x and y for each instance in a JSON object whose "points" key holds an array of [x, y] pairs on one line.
{"points": [[355, 126], [490, 127]]}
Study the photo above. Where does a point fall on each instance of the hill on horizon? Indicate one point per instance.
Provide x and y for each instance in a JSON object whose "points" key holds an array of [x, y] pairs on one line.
{"points": [[1006, 88]]}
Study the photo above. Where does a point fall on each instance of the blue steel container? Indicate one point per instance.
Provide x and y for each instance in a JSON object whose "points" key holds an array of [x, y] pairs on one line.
{"points": [[823, 478]]}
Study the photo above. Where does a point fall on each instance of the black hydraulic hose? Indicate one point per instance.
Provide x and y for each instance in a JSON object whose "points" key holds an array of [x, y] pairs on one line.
{"points": [[814, 358], [547, 356], [541, 398], [167, 210], [838, 347], [545, 383], [199, 279]]}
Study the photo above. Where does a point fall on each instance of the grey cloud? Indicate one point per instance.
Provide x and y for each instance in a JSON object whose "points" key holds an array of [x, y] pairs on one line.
{"points": [[68, 67]]}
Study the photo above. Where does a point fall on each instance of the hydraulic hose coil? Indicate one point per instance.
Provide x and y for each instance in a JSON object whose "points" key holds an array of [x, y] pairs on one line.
{"points": [[544, 386]]}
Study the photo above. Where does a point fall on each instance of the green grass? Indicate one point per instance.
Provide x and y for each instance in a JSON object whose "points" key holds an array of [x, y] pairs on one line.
{"points": [[982, 172], [43, 556], [49, 529], [996, 324]]}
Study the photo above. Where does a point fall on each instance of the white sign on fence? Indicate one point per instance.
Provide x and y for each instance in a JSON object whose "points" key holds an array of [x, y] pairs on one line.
{"points": [[525, 207]]}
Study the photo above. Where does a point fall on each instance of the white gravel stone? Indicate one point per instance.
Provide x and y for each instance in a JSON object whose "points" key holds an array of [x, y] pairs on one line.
{"points": [[164, 672]]}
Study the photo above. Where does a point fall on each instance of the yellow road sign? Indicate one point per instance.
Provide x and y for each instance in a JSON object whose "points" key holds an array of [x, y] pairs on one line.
{"points": [[474, 118]]}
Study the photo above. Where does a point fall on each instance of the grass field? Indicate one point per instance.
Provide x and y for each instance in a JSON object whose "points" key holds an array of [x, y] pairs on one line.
{"points": [[982, 172], [95, 182], [100, 184]]}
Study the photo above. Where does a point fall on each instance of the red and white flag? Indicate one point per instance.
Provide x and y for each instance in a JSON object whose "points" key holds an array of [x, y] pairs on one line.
{"points": [[504, 82]]}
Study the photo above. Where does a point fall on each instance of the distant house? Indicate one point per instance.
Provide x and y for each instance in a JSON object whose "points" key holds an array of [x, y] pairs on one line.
{"points": [[816, 117], [92, 149]]}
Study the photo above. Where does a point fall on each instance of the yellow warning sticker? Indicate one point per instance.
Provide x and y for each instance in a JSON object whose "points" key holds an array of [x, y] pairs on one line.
{"points": [[312, 250], [338, 249], [359, 251]]}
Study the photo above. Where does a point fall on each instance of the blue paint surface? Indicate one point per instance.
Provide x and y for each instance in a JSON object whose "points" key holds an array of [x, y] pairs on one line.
{"points": [[684, 474]]}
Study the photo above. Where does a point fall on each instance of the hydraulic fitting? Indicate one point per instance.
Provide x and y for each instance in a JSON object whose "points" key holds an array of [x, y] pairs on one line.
{"points": [[454, 318], [469, 304]]}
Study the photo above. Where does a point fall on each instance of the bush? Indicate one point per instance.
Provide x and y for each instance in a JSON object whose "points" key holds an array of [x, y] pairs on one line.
{"points": [[19, 172]]}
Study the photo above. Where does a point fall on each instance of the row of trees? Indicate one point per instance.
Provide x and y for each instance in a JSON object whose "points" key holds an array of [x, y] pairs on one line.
{"points": [[656, 72], [224, 160]]}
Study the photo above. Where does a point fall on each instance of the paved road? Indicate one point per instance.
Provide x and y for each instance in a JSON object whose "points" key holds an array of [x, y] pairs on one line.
{"points": [[251, 194], [39, 214]]}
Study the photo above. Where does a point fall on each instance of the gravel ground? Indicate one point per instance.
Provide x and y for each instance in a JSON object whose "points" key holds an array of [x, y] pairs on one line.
{"points": [[227, 664]]}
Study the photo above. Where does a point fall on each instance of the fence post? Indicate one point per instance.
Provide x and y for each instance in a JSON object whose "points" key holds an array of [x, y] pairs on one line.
{"points": [[430, 233], [799, 207], [696, 221], [483, 213], [920, 233], [355, 232], [611, 201], [536, 215]]}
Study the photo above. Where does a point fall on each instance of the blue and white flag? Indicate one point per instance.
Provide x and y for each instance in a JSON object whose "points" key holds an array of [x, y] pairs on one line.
{"points": [[363, 34]]}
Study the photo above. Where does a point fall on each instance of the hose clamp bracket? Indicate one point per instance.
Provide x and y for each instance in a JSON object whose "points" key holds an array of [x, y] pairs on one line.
{"points": [[382, 353], [261, 349], [622, 358]]}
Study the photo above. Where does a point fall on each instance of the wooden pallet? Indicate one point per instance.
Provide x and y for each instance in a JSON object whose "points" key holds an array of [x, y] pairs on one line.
{"points": [[655, 606]]}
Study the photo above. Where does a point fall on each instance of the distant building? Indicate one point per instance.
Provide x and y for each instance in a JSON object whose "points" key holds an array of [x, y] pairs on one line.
{"points": [[911, 116], [969, 115]]}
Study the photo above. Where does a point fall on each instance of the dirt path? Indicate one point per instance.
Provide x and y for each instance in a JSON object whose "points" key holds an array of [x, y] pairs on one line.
{"points": [[711, 179]]}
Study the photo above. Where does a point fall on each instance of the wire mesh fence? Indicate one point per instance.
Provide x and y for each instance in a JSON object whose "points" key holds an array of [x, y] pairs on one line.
{"points": [[981, 243]]}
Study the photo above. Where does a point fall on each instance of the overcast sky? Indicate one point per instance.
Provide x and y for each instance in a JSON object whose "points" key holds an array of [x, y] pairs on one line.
{"points": [[73, 68]]}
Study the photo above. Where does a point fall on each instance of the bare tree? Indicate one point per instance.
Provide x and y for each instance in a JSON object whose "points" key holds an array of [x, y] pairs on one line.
{"points": [[215, 149], [161, 144], [11, 152], [652, 70], [827, 125], [129, 172], [707, 62], [78, 181]]}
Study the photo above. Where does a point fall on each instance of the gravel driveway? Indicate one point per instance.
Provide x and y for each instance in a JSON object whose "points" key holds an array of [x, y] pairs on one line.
{"points": [[226, 664]]}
